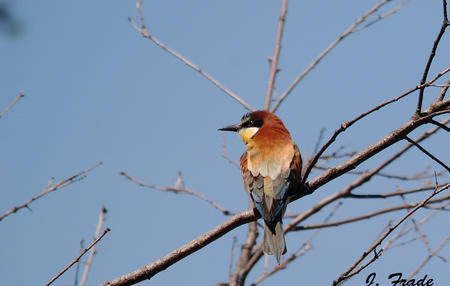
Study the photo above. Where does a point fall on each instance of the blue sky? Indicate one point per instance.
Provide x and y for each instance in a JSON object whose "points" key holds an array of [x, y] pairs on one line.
{"points": [[95, 90]]}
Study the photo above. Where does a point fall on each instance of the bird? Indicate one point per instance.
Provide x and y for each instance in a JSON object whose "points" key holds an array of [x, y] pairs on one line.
{"points": [[271, 170]]}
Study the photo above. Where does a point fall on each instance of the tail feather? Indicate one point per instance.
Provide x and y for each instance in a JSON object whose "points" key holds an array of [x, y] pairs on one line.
{"points": [[274, 242]]}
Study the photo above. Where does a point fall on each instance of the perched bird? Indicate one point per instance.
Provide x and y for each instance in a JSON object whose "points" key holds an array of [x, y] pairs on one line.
{"points": [[271, 169]]}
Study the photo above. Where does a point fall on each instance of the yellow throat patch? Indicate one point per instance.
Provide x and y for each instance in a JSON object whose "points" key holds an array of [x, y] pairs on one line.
{"points": [[247, 133]]}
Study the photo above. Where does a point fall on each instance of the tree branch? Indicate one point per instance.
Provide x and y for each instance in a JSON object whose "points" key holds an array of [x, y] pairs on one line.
{"points": [[178, 190], [61, 184], [349, 31], [427, 153], [445, 23], [349, 123], [159, 265], [350, 272], [368, 215], [274, 60], [12, 104], [375, 148], [434, 253], [143, 30], [101, 219], [78, 257]]}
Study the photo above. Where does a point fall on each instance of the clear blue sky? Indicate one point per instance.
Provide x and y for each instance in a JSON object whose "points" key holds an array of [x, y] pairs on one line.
{"points": [[95, 90]]}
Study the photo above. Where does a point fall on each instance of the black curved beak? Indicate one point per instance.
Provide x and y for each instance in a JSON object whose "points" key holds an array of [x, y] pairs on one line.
{"points": [[233, 128]]}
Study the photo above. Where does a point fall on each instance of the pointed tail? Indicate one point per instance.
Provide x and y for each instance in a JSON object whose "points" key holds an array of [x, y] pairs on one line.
{"points": [[274, 242]]}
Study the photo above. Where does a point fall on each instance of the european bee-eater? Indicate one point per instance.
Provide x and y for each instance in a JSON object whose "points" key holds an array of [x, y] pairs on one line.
{"points": [[271, 169]]}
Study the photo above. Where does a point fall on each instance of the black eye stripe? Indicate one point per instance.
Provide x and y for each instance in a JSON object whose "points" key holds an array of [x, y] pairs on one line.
{"points": [[252, 123]]}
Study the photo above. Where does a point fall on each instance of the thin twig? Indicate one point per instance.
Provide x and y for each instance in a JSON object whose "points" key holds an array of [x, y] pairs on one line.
{"points": [[274, 60], [416, 177], [77, 269], [351, 271], [440, 85], [233, 253], [349, 31], [405, 231], [87, 267], [437, 123], [444, 90], [445, 23], [434, 253], [238, 278], [178, 190], [224, 151], [368, 215], [319, 141], [385, 15], [143, 30], [416, 227], [61, 184], [349, 123], [12, 104], [392, 194], [78, 257], [427, 153]]}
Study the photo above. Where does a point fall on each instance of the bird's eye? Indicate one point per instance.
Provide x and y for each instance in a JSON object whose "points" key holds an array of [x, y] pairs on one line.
{"points": [[251, 123]]}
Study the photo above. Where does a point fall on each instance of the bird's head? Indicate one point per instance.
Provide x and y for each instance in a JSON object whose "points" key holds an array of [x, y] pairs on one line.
{"points": [[253, 122]]}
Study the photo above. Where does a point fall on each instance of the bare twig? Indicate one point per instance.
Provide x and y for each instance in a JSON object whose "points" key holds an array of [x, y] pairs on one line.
{"points": [[238, 278], [61, 184], [427, 153], [77, 269], [445, 24], [403, 231], [392, 194], [319, 141], [78, 257], [224, 151], [233, 253], [349, 123], [370, 215], [437, 123], [444, 90], [434, 253], [385, 15], [352, 270], [416, 227], [143, 30], [440, 85], [274, 60], [178, 190], [12, 104], [334, 155], [87, 267], [415, 177], [150, 270], [349, 31]]}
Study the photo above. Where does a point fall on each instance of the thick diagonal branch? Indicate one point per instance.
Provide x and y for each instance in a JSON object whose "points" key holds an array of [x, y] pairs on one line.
{"points": [[159, 265]]}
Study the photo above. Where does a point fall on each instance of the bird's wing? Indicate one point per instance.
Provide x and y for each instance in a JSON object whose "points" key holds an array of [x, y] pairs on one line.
{"points": [[295, 175], [268, 195]]}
